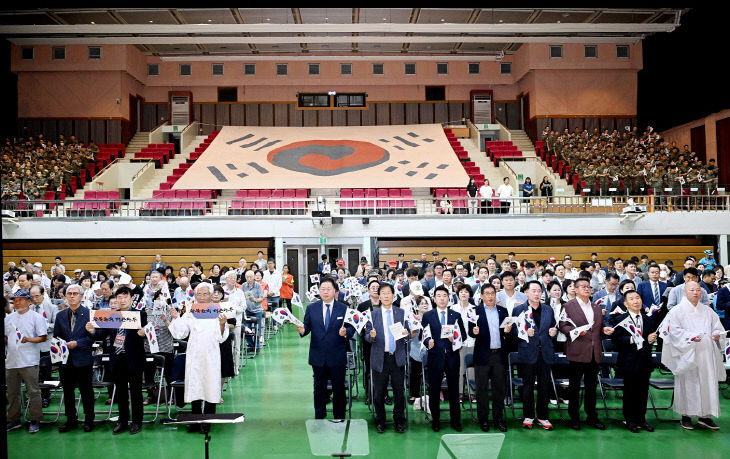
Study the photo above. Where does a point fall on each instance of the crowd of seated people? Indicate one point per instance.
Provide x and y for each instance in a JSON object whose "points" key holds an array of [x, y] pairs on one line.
{"points": [[640, 161], [34, 165], [415, 283]]}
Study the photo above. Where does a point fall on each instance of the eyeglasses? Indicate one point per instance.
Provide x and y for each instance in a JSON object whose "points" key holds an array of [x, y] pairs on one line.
{"points": [[72, 293]]}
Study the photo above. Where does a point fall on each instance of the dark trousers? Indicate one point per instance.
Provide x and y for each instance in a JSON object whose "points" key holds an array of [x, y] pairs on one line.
{"points": [[287, 302], [493, 371], [589, 373], [366, 365], [434, 391], [44, 374], [71, 378], [414, 378], [336, 375], [396, 375], [504, 208], [123, 378], [636, 393], [537, 372]]}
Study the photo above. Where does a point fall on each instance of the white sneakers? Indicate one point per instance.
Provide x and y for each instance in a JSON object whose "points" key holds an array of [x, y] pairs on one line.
{"points": [[545, 424], [527, 423]]}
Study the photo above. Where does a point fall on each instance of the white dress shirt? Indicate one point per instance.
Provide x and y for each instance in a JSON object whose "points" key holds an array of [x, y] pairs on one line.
{"points": [[587, 309], [324, 311]]}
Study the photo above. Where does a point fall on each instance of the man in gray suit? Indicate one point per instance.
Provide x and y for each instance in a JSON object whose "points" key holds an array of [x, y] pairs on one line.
{"points": [[388, 359]]}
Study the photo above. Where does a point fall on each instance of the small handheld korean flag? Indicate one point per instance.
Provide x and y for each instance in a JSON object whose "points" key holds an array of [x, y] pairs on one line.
{"points": [[654, 308], [326, 269], [471, 315], [356, 319], [18, 334], [635, 333], [617, 310], [522, 327], [314, 290], [296, 301], [663, 329], [149, 331], [314, 278], [414, 323], [458, 339], [426, 335], [59, 351], [726, 353], [279, 316], [310, 296], [564, 318]]}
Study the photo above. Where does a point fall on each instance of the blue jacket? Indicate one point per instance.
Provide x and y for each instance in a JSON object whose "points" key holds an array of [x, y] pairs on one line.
{"points": [[607, 305], [442, 356], [542, 342], [327, 347], [80, 356], [377, 351], [482, 345], [647, 296], [722, 305]]}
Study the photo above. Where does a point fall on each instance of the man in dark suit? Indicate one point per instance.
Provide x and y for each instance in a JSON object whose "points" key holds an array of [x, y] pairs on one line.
{"points": [[401, 263], [387, 359], [651, 291], [723, 303], [443, 359], [127, 360], [635, 364], [584, 353], [609, 294], [321, 266], [327, 348], [490, 357], [70, 326], [536, 355]]}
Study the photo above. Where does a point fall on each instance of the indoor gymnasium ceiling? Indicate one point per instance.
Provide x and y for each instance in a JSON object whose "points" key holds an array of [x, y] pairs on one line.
{"points": [[415, 31]]}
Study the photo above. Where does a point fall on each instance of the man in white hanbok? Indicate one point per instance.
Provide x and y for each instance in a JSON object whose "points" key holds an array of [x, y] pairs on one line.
{"points": [[691, 351], [235, 297], [202, 358]]}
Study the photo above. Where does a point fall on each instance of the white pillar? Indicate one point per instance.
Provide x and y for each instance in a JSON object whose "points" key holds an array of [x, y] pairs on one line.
{"points": [[722, 247], [280, 257], [366, 250]]}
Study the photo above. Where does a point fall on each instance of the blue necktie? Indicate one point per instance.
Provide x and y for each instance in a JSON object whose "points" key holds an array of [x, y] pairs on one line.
{"points": [[327, 318], [443, 317], [656, 293], [391, 340]]}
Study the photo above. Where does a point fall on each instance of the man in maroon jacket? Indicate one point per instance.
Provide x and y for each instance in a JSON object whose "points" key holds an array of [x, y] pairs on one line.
{"points": [[583, 352]]}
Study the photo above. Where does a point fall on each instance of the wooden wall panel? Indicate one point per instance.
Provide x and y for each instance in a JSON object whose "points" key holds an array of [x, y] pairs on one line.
{"points": [[222, 115], [266, 115], [339, 117], [295, 116], [354, 117], [368, 116], [309, 117], [324, 117], [49, 129], [208, 117], [197, 112], [382, 113], [397, 113], [238, 114], [65, 127], [426, 113], [411, 114], [94, 256], [113, 131], [441, 113], [252, 115], [456, 111], [98, 133], [281, 115], [81, 129]]}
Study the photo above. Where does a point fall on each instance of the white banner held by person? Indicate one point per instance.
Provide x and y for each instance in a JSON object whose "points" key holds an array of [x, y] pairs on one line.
{"points": [[105, 318]]}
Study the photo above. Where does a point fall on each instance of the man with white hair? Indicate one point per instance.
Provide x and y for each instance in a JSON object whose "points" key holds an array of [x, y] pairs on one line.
{"points": [[692, 353], [38, 270], [41, 304], [202, 358], [236, 299], [183, 294]]}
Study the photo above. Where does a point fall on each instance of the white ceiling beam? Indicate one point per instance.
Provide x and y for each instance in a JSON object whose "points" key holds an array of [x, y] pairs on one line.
{"points": [[105, 29], [308, 39]]}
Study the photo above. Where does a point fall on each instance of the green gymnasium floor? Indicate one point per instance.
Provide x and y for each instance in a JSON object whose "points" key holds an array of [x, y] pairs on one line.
{"points": [[275, 392]]}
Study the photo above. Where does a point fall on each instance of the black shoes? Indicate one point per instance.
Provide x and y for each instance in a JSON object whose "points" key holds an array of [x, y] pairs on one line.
{"points": [[456, 426], [435, 426], [380, 428], [632, 427], [575, 425], [134, 428], [400, 428], [501, 426], [388, 400], [708, 423], [646, 427], [596, 424], [686, 423], [120, 427], [68, 427], [484, 426], [89, 426]]}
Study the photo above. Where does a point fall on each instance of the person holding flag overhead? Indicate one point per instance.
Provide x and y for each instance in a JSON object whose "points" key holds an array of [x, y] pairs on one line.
{"points": [[324, 319], [692, 353], [536, 353], [24, 331], [388, 358], [442, 358], [634, 348]]}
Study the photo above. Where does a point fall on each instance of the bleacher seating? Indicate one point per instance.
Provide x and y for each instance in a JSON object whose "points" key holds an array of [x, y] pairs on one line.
{"points": [[161, 153], [95, 203], [178, 203], [179, 171], [499, 149], [457, 196], [471, 169], [269, 202], [381, 201]]}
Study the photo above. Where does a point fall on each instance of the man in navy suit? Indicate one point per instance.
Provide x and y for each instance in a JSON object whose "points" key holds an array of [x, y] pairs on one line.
{"points": [[610, 294], [127, 361], [70, 326], [443, 359], [651, 291], [536, 355], [327, 348], [490, 357], [401, 263], [387, 359], [723, 304], [635, 364]]}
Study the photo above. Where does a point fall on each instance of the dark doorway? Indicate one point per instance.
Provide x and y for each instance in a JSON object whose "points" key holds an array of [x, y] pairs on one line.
{"points": [[723, 151], [697, 139]]}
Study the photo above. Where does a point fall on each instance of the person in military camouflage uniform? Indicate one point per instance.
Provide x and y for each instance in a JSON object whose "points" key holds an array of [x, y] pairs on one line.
{"points": [[655, 183]]}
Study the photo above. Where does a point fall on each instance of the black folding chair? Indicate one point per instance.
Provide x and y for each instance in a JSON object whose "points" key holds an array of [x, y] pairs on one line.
{"points": [[470, 384], [158, 362], [444, 389], [515, 382], [661, 384], [100, 368], [612, 382], [561, 360], [177, 387], [54, 386]]}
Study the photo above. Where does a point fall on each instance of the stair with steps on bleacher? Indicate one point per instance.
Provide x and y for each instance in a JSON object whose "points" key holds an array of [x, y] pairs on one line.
{"points": [[138, 142], [143, 190], [522, 142]]}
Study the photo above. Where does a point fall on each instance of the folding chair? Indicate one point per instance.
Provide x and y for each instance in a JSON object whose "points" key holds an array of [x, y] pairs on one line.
{"points": [[348, 387], [470, 384], [53, 386], [158, 361], [561, 360], [177, 387], [612, 382], [515, 382], [100, 367], [444, 388], [660, 384]]}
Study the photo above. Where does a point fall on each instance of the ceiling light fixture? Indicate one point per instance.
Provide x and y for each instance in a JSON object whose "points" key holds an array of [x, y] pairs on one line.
{"points": [[93, 22], [152, 22]]}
